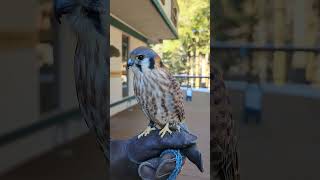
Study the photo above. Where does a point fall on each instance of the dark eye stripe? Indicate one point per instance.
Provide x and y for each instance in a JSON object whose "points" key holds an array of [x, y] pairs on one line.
{"points": [[151, 65]]}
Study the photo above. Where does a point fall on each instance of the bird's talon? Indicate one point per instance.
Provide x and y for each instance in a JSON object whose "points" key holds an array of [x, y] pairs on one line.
{"points": [[146, 132], [165, 130]]}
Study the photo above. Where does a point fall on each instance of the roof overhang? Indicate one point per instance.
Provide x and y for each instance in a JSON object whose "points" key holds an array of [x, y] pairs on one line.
{"points": [[145, 16]]}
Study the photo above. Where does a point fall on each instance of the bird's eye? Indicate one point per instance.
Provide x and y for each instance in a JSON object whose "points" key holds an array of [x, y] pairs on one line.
{"points": [[140, 57]]}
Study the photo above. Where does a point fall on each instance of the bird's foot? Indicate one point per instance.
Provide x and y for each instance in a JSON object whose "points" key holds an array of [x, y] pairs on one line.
{"points": [[165, 130], [146, 131]]}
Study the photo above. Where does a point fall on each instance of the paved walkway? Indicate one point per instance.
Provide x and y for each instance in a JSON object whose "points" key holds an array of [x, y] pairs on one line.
{"points": [[132, 121]]}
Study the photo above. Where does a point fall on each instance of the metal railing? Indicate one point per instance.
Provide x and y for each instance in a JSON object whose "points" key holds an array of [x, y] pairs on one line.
{"points": [[266, 47], [126, 99], [193, 81], [73, 114]]}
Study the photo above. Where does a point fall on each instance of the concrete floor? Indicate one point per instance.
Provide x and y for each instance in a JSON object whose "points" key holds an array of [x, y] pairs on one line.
{"points": [[286, 144], [198, 120]]}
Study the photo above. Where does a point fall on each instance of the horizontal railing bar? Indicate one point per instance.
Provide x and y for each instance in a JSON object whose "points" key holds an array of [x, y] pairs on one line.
{"points": [[266, 47], [33, 128], [122, 101], [190, 76], [46, 123]]}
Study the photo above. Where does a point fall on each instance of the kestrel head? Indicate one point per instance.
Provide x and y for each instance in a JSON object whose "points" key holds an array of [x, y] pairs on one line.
{"points": [[144, 59]]}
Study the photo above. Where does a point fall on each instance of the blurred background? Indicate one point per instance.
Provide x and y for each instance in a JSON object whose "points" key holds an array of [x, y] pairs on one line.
{"points": [[42, 135], [269, 53]]}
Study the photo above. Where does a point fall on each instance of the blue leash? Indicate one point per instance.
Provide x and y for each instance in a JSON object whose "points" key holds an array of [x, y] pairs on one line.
{"points": [[178, 156]]}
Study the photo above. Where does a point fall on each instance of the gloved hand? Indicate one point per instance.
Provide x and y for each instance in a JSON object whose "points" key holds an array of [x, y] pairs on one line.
{"points": [[140, 158]]}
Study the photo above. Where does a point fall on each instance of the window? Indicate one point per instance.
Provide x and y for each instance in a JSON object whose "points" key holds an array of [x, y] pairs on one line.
{"points": [[48, 78], [125, 74], [163, 2]]}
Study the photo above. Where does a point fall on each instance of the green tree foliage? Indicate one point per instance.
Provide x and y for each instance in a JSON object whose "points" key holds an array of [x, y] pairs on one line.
{"points": [[194, 36]]}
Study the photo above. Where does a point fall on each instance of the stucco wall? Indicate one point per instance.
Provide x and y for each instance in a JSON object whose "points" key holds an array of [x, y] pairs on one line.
{"points": [[167, 7], [115, 69], [115, 66]]}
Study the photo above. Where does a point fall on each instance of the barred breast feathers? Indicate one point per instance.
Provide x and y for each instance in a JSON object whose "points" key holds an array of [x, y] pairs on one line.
{"points": [[160, 96]]}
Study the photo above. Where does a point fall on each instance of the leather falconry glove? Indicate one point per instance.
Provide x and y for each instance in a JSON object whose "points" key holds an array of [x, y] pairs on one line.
{"points": [[140, 158]]}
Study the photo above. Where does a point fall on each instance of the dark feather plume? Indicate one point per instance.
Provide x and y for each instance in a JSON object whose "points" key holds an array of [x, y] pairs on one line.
{"points": [[91, 65], [223, 141]]}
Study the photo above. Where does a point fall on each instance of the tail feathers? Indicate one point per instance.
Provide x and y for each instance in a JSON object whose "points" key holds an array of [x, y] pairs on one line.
{"points": [[225, 162], [224, 152]]}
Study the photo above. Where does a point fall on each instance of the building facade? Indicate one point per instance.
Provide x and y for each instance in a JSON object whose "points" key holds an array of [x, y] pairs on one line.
{"points": [[38, 94]]}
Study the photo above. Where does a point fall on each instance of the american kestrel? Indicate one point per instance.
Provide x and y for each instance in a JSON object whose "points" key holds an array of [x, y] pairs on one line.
{"points": [[157, 91]]}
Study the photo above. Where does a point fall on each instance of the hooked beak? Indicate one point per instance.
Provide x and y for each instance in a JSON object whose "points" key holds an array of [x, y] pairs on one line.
{"points": [[130, 63], [62, 7]]}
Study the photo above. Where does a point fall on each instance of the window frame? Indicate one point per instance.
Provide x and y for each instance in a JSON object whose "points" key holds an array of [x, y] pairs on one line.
{"points": [[174, 14], [123, 62], [51, 104]]}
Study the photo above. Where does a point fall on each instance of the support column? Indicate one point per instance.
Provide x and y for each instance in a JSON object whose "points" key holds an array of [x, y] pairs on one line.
{"points": [[299, 33], [197, 69], [205, 69], [312, 28], [279, 58], [260, 38], [193, 69]]}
